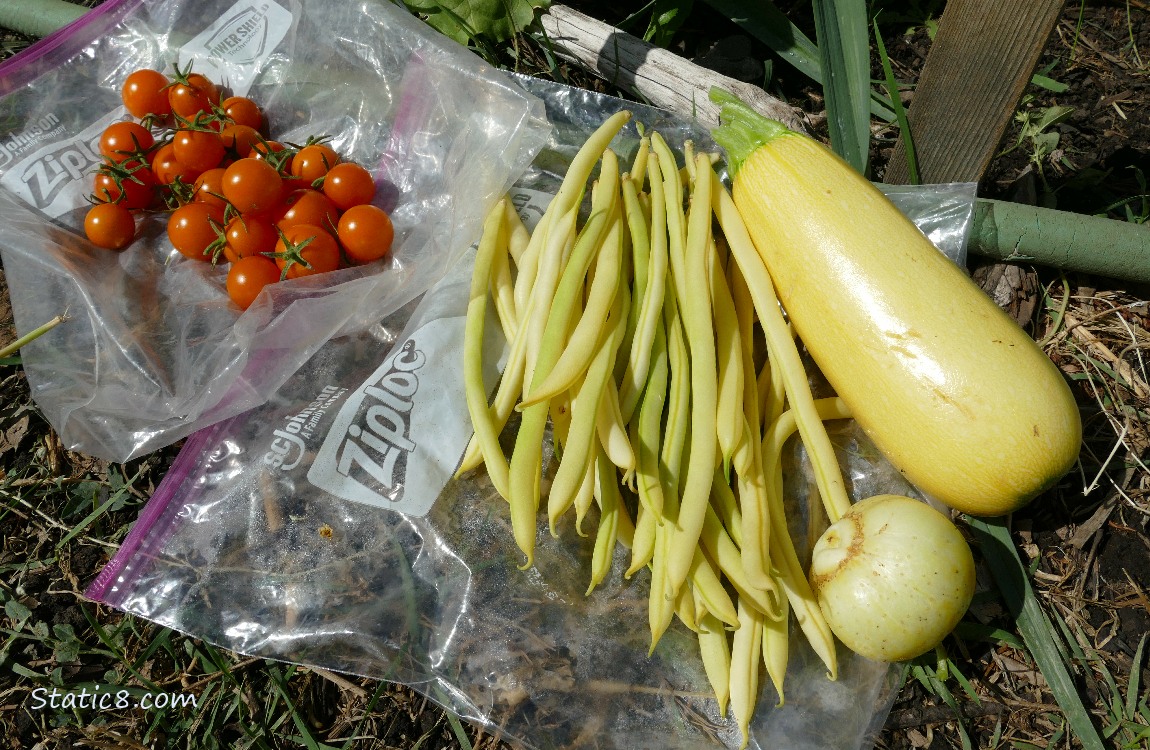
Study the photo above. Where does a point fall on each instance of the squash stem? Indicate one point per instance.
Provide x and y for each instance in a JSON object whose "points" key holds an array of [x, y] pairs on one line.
{"points": [[743, 130]]}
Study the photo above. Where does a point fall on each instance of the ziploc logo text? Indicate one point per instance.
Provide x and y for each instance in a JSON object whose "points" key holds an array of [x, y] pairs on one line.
{"points": [[55, 177], [397, 439], [367, 448]]}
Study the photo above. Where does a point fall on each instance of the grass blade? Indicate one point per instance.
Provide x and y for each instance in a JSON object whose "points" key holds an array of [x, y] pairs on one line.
{"points": [[844, 51], [1011, 577], [1132, 691], [899, 110]]}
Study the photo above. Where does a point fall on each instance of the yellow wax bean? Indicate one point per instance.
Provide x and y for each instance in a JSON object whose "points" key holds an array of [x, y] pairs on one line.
{"points": [[584, 497], [586, 158], [476, 392], [506, 396], [643, 547], [589, 331], [654, 289], [706, 583], [610, 508], [660, 604], [626, 529], [688, 173], [502, 285], [756, 530], [782, 428], [561, 234], [727, 508], [783, 352], [527, 265], [723, 551], [678, 398], [776, 648], [728, 349], [696, 492], [612, 431], [637, 235], [715, 650], [649, 442], [789, 570], [639, 163], [584, 413], [802, 599], [673, 202], [518, 236], [685, 609], [559, 409], [746, 650], [527, 456]]}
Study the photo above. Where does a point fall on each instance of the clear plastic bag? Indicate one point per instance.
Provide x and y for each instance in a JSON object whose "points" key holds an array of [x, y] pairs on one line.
{"points": [[324, 528], [153, 349]]}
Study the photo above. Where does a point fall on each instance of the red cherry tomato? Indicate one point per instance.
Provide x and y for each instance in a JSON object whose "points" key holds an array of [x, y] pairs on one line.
{"points": [[130, 183], [313, 162], [209, 188], [110, 226], [247, 278], [168, 168], [252, 185], [191, 94], [243, 111], [199, 150], [261, 149], [249, 235], [309, 207], [348, 184], [366, 233], [123, 140], [193, 228], [239, 139], [305, 249], [145, 93]]}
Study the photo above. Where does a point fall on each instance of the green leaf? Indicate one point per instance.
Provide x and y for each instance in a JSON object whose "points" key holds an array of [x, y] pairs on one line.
{"points": [[67, 652], [899, 111], [843, 36], [1039, 635], [1049, 83], [463, 20], [17, 610], [26, 673], [667, 17]]}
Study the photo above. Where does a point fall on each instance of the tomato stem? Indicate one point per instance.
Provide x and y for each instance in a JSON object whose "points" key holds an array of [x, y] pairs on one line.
{"points": [[292, 253]]}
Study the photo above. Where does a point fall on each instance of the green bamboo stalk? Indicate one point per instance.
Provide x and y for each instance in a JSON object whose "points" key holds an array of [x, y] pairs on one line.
{"points": [[1072, 242], [39, 18]]}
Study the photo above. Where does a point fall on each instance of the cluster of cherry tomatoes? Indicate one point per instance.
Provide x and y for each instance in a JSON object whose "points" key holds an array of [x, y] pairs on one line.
{"points": [[269, 209]]}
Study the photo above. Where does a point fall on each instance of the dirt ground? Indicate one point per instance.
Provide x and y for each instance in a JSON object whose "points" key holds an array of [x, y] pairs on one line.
{"points": [[1086, 540]]}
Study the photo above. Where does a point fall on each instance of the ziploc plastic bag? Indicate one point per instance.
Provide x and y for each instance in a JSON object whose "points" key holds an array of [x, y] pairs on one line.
{"points": [[324, 528], [153, 349]]}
